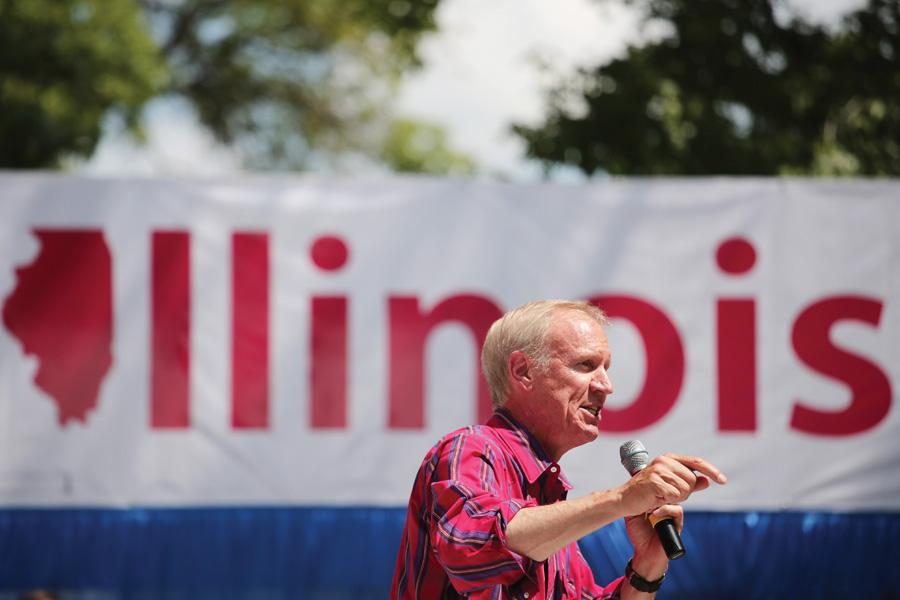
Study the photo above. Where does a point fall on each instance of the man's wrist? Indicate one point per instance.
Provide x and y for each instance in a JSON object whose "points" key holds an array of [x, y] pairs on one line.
{"points": [[649, 569], [641, 583]]}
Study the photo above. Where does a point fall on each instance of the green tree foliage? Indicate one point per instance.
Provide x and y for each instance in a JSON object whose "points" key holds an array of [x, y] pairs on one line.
{"points": [[413, 147], [736, 87], [63, 66], [289, 83]]}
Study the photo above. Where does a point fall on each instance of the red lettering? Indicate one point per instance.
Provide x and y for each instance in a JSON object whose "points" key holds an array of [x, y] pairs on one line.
{"points": [[736, 354], [328, 341], [735, 256], [409, 330], [329, 253], [870, 388], [250, 330], [328, 367], [736, 343], [171, 327], [665, 364]]}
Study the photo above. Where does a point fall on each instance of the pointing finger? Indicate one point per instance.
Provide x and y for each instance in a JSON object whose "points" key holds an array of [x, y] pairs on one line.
{"points": [[695, 463]]}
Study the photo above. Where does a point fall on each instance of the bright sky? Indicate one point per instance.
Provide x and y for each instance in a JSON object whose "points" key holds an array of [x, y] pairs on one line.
{"points": [[479, 77]]}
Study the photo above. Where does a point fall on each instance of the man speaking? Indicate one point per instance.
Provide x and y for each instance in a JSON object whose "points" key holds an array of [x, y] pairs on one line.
{"points": [[488, 515]]}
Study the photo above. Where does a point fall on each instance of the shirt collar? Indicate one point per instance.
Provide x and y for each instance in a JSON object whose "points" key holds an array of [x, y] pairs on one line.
{"points": [[526, 448]]}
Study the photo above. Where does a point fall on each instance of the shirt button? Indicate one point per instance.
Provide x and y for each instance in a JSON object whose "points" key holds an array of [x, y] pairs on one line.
{"points": [[553, 469]]}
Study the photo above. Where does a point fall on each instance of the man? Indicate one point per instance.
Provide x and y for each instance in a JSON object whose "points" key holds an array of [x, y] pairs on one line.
{"points": [[488, 515]]}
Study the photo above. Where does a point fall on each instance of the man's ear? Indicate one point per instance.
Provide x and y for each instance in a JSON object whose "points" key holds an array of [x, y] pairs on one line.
{"points": [[520, 370]]}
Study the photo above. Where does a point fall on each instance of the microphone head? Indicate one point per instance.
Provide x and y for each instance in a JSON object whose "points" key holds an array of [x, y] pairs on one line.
{"points": [[634, 456]]}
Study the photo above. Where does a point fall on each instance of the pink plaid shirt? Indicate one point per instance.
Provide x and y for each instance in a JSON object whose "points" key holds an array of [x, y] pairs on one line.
{"points": [[471, 483]]}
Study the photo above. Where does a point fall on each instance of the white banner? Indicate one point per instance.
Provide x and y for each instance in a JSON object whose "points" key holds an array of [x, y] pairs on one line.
{"points": [[295, 340]]}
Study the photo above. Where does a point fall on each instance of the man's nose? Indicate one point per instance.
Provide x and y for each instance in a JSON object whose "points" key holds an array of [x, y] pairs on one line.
{"points": [[601, 382]]}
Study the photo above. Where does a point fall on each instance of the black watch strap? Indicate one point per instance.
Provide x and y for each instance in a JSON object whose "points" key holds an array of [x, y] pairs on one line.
{"points": [[639, 583]]}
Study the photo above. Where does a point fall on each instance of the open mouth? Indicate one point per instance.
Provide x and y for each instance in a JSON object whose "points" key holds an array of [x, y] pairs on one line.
{"points": [[594, 410]]}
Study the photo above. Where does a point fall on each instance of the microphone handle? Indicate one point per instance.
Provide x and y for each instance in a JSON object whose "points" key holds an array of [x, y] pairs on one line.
{"points": [[668, 537]]}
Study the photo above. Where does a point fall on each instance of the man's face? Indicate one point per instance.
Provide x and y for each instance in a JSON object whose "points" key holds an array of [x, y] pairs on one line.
{"points": [[571, 390]]}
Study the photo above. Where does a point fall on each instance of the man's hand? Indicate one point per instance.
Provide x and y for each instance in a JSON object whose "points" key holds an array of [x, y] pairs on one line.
{"points": [[650, 560], [657, 490], [668, 479]]}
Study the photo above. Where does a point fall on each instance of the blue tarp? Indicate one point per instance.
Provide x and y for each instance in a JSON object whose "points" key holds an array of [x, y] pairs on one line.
{"points": [[276, 553]]}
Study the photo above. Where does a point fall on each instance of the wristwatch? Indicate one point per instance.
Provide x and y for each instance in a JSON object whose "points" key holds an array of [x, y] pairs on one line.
{"points": [[639, 583]]}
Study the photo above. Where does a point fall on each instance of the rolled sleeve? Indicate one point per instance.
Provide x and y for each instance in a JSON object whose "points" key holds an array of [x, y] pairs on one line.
{"points": [[470, 513]]}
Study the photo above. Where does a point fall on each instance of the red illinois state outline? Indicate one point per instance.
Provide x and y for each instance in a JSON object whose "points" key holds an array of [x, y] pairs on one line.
{"points": [[61, 312]]}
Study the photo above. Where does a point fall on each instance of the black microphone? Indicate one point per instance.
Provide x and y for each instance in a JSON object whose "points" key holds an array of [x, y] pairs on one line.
{"points": [[634, 458]]}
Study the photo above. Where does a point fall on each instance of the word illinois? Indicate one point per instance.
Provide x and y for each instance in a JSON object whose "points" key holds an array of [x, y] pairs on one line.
{"points": [[61, 311]]}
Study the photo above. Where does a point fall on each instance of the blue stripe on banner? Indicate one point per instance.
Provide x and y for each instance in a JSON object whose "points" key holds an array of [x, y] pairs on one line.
{"points": [[325, 552]]}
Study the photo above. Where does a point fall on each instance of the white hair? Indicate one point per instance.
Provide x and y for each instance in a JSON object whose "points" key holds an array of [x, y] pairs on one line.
{"points": [[524, 329]]}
